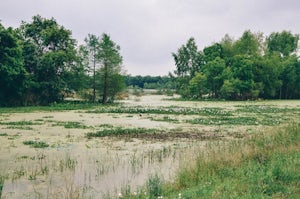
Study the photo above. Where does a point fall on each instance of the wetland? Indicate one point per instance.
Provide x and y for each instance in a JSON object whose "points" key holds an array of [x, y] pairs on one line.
{"points": [[99, 151]]}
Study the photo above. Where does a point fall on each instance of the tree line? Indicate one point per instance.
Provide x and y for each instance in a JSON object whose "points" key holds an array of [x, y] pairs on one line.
{"points": [[150, 82], [253, 66], [40, 63]]}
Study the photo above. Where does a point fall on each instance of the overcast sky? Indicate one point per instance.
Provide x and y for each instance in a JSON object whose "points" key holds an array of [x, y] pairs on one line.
{"points": [[148, 31]]}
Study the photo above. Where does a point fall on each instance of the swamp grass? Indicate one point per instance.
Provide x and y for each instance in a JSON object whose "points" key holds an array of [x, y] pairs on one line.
{"points": [[119, 132], [263, 166], [69, 124], [242, 120], [264, 109], [36, 144], [171, 110], [63, 106]]}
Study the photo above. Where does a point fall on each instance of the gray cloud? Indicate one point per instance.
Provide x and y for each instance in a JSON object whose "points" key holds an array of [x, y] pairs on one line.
{"points": [[148, 31]]}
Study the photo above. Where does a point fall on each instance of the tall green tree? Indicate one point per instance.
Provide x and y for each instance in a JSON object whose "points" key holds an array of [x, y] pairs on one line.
{"points": [[212, 52], [229, 89], [242, 71], [267, 71], [290, 78], [49, 51], [188, 61], [111, 80], [197, 86], [214, 73], [227, 44], [283, 42], [13, 75], [77, 77], [249, 44], [91, 51]]}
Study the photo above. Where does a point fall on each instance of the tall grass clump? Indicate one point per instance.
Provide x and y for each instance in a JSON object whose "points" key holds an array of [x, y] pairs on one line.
{"points": [[154, 187]]}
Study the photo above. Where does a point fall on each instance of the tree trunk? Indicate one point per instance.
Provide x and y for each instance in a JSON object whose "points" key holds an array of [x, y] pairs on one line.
{"points": [[94, 74], [104, 98], [280, 92]]}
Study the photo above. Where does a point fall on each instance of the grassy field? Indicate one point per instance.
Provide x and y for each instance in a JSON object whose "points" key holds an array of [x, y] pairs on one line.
{"points": [[151, 147]]}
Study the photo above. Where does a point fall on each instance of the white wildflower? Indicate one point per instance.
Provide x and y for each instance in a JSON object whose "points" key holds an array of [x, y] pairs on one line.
{"points": [[120, 195], [179, 196]]}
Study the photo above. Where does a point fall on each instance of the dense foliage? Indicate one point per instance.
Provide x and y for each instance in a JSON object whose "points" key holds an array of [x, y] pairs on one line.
{"points": [[248, 68], [48, 54], [150, 82], [13, 76], [40, 63]]}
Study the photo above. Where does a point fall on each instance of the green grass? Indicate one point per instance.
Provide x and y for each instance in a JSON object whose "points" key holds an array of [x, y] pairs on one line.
{"points": [[266, 165], [21, 123], [53, 107], [69, 125], [172, 110], [241, 120], [164, 119], [105, 126], [263, 109], [118, 132], [36, 144], [154, 187]]}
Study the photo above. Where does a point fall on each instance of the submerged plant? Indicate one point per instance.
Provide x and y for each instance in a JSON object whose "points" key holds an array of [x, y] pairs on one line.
{"points": [[67, 163]]}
